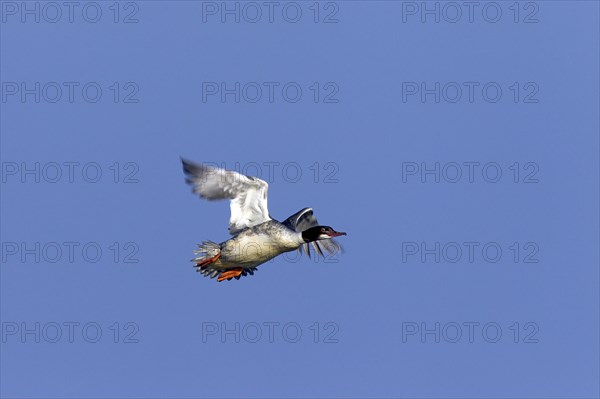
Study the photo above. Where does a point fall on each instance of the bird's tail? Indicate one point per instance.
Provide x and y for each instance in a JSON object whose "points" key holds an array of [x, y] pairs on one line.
{"points": [[208, 252]]}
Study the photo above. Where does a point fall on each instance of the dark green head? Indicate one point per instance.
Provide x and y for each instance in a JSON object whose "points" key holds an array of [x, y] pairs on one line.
{"points": [[320, 233]]}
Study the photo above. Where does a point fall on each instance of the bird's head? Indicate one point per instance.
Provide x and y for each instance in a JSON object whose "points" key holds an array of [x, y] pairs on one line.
{"points": [[320, 233]]}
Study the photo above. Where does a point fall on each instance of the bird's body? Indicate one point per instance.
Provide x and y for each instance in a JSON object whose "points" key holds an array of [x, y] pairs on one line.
{"points": [[256, 245], [257, 238]]}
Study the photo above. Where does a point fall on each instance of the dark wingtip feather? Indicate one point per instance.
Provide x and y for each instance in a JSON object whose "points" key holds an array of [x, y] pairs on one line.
{"points": [[318, 248], [185, 164], [189, 167]]}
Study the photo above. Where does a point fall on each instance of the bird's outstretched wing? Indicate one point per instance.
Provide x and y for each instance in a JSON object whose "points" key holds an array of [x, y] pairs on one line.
{"points": [[248, 194], [304, 220]]}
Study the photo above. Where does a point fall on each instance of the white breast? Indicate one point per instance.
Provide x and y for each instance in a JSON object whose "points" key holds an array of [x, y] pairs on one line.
{"points": [[252, 250]]}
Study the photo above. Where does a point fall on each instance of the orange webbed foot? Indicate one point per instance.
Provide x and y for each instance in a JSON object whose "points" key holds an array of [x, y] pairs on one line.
{"points": [[208, 261], [229, 274]]}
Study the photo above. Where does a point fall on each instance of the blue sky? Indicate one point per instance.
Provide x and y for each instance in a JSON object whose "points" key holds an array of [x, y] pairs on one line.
{"points": [[457, 146]]}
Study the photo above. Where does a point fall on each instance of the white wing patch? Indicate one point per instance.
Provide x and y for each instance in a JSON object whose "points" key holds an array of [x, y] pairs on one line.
{"points": [[248, 194]]}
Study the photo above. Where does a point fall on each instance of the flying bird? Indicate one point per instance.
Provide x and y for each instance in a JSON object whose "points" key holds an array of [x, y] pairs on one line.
{"points": [[257, 238]]}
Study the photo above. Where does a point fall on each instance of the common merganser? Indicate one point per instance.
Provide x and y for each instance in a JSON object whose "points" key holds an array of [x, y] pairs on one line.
{"points": [[257, 238]]}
